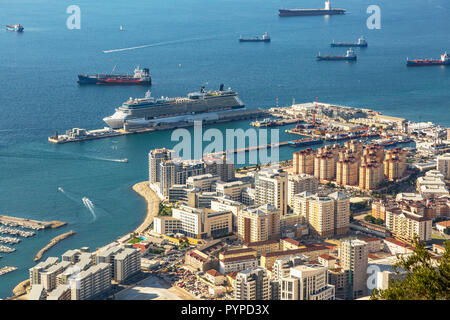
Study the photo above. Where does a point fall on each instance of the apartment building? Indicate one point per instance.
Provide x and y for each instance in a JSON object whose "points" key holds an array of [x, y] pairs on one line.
{"points": [[232, 190], [306, 282], [353, 256], [252, 284], [271, 188], [405, 225], [155, 157], [443, 165], [298, 183], [259, 223], [127, 264], [395, 164], [91, 283], [303, 161]]}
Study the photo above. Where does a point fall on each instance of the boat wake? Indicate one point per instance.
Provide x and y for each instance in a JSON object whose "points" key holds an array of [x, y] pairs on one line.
{"points": [[90, 206], [159, 44], [68, 195]]}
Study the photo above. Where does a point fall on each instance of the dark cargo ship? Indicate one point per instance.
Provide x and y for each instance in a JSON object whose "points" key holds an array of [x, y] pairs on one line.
{"points": [[362, 43], [265, 38], [350, 56], [445, 60], [140, 77], [311, 12], [305, 142]]}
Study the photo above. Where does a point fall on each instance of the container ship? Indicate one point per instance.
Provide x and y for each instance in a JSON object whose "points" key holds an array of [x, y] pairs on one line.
{"points": [[445, 60], [265, 38], [140, 77], [203, 105], [305, 142], [311, 12], [362, 43], [15, 27], [350, 56]]}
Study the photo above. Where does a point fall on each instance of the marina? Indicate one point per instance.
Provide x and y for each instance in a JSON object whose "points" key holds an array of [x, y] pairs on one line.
{"points": [[9, 240], [18, 232], [6, 249], [6, 270]]}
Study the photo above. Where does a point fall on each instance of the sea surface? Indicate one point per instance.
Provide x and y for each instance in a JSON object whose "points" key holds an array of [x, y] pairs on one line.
{"points": [[188, 44]]}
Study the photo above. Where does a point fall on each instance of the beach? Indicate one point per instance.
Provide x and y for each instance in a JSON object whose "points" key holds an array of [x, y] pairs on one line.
{"points": [[143, 189]]}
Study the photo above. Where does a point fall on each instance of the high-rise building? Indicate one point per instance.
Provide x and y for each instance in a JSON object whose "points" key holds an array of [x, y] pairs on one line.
{"points": [[353, 256], [91, 283], [231, 189], [443, 165], [298, 183], [127, 264], [218, 166], [326, 216], [259, 223], [252, 284], [325, 165], [371, 173], [271, 187], [347, 169], [282, 266], [306, 282], [177, 172], [395, 163], [155, 157], [303, 161]]}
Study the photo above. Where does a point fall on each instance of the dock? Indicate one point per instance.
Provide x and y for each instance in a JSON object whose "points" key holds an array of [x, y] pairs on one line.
{"points": [[274, 123], [79, 135], [30, 224], [52, 243], [252, 148]]}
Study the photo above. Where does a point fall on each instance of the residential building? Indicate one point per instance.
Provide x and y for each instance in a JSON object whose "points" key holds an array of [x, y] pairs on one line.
{"points": [[443, 165], [406, 225], [271, 188], [259, 223], [91, 283], [155, 157], [303, 161], [299, 183], [306, 282], [353, 256], [252, 284], [233, 189], [127, 264]]}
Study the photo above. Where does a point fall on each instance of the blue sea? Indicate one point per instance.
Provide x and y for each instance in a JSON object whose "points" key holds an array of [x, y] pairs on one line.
{"points": [[189, 43]]}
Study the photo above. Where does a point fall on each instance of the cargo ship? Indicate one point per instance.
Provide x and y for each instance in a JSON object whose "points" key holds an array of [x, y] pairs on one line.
{"points": [[265, 38], [15, 27], [140, 77], [350, 56], [305, 142], [148, 111], [265, 123], [327, 10], [445, 60], [362, 43]]}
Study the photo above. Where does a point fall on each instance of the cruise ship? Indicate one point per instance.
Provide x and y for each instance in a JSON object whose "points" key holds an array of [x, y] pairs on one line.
{"points": [[200, 105]]}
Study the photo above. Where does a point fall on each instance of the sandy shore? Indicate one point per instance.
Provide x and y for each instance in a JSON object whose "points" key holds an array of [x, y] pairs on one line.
{"points": [[143, 189]]}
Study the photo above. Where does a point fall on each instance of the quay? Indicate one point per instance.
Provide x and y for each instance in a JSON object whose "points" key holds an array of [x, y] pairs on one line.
{"points": [[252, 148], [53, 242], [30, 224], [273, 123], [78, 135]]}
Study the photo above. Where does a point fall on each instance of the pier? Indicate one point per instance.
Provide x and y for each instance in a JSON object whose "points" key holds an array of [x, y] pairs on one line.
{"points": [[52, 243], [30, 224], [252, 148], [78, 135]]}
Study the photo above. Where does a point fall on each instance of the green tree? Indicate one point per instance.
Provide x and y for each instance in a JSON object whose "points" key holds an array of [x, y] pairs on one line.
{"points": [[424, 279], [369, 218]]}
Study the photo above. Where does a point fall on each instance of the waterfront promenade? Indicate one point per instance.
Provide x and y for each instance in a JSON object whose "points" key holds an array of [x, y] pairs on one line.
{"points": [[143, 189]]}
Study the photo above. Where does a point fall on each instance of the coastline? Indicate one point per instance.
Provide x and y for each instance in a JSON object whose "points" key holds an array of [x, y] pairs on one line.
{"points": [[143, 189]]}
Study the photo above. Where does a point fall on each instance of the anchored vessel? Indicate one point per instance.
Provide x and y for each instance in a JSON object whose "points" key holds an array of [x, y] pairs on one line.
{"points": [[445, 60], [362, 43], [305, 142], [265, 38], [141, 77], [350, 56], [311, 12], [15, 27], [201, 105]]}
